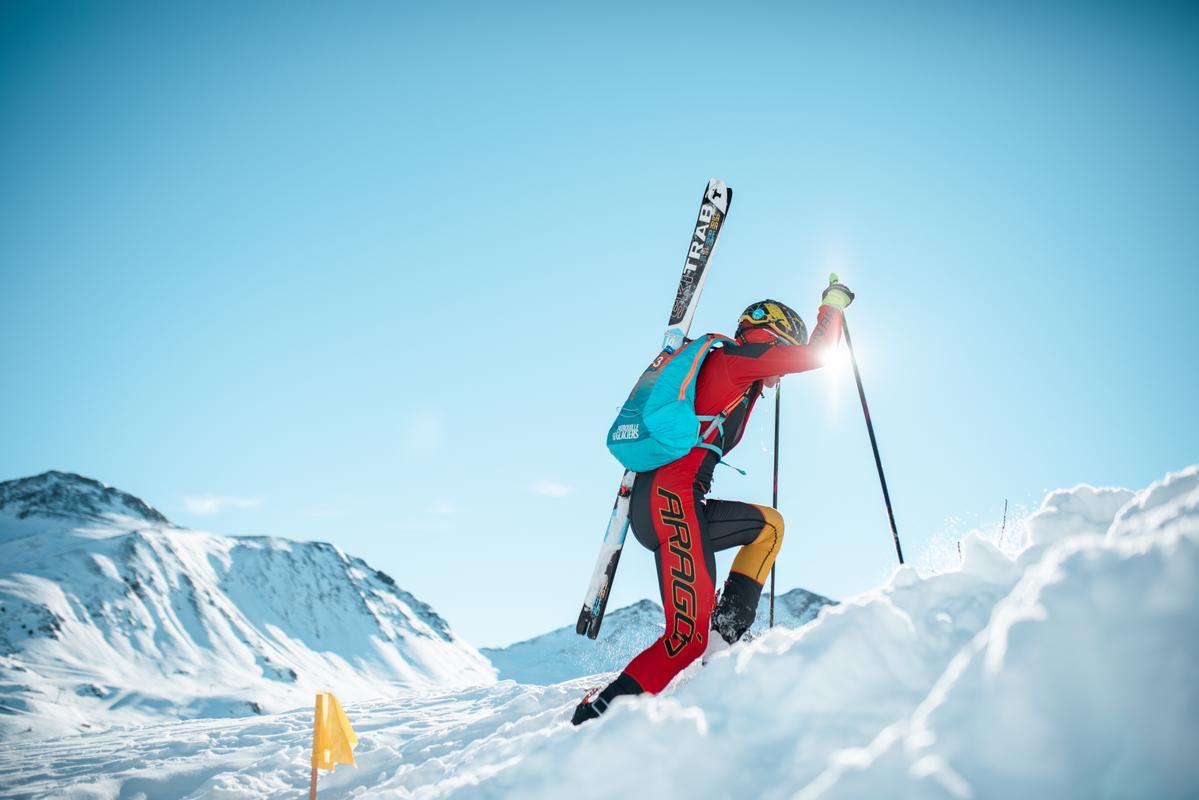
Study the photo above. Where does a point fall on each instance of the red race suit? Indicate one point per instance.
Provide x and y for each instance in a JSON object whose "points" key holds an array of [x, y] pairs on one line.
{"points": [[671, 516]]}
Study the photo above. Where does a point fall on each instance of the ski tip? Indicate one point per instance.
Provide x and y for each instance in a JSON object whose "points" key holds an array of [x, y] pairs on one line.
{"points": [[718, 194]]}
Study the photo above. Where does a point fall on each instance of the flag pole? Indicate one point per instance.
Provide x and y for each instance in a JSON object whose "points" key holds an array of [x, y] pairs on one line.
{"points": [[316, 724]]}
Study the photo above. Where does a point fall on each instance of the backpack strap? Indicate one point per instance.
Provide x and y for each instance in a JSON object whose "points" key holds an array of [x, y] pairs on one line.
{"points": [[700, 355], [716, 423]]}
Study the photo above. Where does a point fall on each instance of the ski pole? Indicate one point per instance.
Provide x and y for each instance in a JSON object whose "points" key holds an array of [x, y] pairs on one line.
{"points": [[778, 389], [878, 463]]}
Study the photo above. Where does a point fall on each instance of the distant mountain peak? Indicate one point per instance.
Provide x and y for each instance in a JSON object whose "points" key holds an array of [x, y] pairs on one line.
{"points": [[110, 615], [66, 495]]}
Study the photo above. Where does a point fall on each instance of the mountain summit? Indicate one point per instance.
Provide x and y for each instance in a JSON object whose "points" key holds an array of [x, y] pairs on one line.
{"points": [[65, 495]]}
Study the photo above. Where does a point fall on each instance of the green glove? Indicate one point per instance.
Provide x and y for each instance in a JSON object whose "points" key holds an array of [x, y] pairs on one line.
{"points": [[837, 294]]}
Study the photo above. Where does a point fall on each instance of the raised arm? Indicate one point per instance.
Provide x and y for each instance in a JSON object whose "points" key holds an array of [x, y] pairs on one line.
{"points": [[752, 361]]}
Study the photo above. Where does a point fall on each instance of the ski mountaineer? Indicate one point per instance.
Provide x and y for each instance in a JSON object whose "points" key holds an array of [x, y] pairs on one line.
{"points": [[671, 517]]}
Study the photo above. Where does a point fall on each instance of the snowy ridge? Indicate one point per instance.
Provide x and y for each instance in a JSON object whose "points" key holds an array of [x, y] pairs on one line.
{"points": [[563, 655], [65, 495], [110, 615], [1066, 671]]}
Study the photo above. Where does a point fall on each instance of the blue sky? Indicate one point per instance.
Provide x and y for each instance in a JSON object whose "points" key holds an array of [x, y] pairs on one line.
{"points": [[380, 274]]}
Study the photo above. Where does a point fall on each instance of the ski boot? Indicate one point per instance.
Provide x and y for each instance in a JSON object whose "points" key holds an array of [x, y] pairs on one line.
{"points": [[735, 610], [594, 705]]}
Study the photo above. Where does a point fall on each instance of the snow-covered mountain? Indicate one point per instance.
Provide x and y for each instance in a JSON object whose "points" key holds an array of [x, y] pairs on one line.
{"points": [[1063, 670], [563, 655], [109, 615]]}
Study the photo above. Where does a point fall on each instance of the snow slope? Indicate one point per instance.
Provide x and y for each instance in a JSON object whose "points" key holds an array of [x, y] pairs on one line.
{"points": [[110, 615], [1065, 672], [562, 654]]}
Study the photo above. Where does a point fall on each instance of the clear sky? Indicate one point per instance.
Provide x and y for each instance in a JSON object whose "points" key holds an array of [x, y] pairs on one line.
{"points": [[381, 274]]}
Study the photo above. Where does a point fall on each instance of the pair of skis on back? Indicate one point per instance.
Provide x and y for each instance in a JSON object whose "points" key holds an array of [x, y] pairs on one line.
{"points": [[712, 212]]}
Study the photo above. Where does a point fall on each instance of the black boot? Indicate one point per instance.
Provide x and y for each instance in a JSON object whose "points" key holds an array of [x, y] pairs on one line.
{"points": [[591, 709], [737, 607]]}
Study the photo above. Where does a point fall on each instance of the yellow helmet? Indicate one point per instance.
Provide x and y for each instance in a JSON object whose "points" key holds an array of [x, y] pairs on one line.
{"points": [[785, 324]]}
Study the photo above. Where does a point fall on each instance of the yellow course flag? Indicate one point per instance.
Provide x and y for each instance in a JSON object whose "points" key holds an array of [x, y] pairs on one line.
{"points": [[333, 740]]}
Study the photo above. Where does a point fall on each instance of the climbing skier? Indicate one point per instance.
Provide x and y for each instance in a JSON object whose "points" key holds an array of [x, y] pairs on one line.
{"points": [[671, 517]]}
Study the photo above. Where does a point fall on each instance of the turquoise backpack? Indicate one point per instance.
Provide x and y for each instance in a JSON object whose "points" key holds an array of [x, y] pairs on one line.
{"points": [[658, 423]]}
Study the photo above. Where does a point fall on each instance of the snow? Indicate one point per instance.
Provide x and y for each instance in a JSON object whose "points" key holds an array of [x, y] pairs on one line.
{"points": [[1063, 670], [1082, 685]]}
